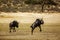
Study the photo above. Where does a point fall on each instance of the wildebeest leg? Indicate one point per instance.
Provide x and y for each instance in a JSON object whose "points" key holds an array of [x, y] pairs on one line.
{"points": [[14, 29], [32, 31], [10, 29], [40, 28]]}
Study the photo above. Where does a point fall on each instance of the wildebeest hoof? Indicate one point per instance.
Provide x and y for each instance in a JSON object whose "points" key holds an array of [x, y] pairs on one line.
{"points": [[10, 31], [40, 30]]}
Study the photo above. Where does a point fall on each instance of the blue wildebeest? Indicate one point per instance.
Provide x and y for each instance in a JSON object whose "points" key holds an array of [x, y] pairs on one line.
{"points": [[37, 23], [12, 25]]}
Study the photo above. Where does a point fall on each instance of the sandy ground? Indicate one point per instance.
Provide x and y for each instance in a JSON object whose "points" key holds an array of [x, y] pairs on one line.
{"points": [[29, 17], [51, 28]]}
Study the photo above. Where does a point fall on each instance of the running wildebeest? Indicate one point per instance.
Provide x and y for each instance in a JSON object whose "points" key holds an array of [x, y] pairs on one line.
{"points": [[37, 23], [12, 25]]}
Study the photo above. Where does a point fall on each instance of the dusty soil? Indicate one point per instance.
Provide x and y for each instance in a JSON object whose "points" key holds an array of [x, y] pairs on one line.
{"points": [[50, 30]]}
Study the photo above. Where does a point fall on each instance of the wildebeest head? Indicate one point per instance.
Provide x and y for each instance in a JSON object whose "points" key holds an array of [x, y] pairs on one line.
{"points": [[15, 23], [42, 22], [39, 21]]}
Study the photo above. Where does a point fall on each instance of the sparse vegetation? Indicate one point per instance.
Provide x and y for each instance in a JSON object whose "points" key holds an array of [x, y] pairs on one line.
{"points": [[28, 5], [42, 3]]}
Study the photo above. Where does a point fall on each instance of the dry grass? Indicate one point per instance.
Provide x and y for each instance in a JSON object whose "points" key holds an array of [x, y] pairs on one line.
{"points": [[50, 31]]}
